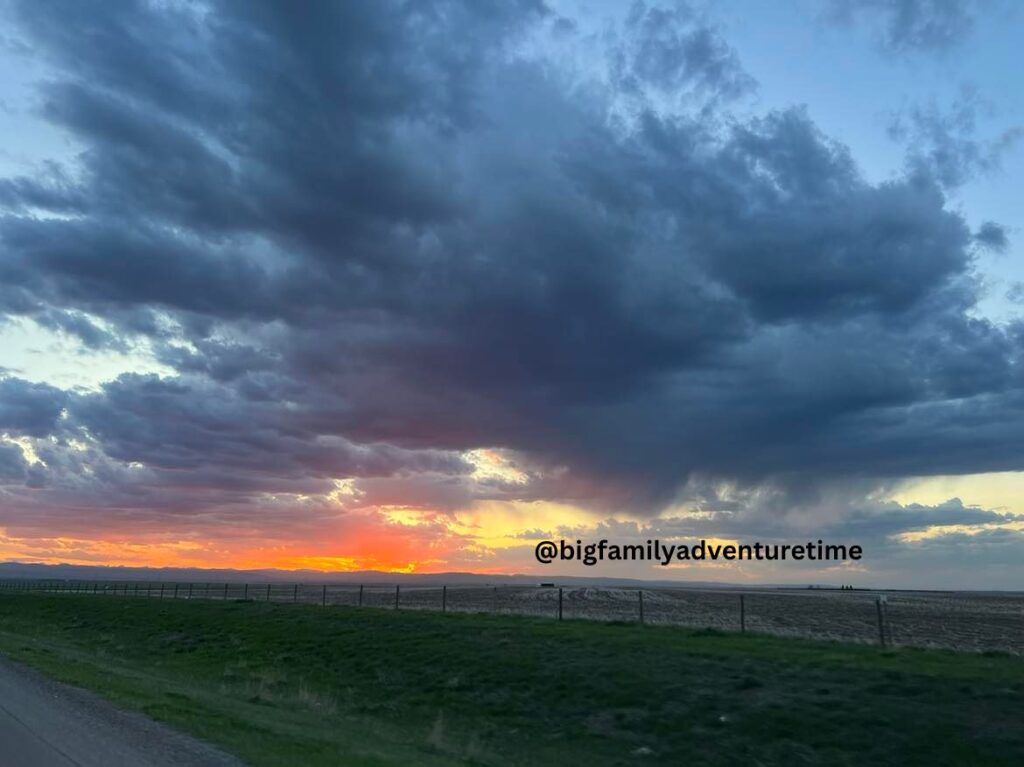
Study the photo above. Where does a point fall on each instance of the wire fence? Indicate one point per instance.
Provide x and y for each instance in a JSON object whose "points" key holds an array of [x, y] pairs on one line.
{"points": [[954, 620]]}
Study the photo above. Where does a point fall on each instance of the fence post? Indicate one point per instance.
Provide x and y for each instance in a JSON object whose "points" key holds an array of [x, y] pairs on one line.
{"points": [[743, 615], [888, 623], [268, 592], [641, 595], [444, 599], [360, 595], [161, 590], [323, 596], [175, 590], [225, 591], [397, 587], [559, 603], [190, 589], [245, 592], [881, 621], [494, 600]]}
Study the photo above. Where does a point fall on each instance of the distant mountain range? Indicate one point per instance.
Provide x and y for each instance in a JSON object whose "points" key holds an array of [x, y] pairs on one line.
{"points": [[19, 570]]}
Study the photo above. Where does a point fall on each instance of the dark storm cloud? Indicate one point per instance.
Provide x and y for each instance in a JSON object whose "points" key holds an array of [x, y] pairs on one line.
{"points": [[182, 424], [29, 409], [12, 463], [368, 235], [880, 527]]}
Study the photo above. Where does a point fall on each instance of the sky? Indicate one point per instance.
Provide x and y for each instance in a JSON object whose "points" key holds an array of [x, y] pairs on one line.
{"points": [[412, 286]]}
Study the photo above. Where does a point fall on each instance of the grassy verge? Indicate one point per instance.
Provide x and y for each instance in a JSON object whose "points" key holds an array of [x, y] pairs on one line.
{"points": [[288, 685]]}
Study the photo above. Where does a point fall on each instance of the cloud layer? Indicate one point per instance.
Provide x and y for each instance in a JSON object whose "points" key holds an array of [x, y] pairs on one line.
{"points": [[370, 237]]}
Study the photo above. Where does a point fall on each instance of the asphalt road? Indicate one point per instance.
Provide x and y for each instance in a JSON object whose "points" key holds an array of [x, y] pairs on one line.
{"points": [[47, 724]]}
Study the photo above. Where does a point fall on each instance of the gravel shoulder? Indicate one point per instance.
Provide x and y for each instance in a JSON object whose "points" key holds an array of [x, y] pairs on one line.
{"points": [[44, 723]]}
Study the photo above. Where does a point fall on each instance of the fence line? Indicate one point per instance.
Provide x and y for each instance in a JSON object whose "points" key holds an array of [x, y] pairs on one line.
{"points": [[972, 622]]}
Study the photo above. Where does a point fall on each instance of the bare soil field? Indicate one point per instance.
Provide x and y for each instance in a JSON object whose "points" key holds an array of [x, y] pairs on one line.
{"points": [[954, 620], [966, 621]]}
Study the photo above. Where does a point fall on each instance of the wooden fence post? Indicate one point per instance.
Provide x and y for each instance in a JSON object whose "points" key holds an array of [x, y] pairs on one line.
{"points": [[397, 587], [268, 592], [190, 589], [559, 603], [360, 595], [161, 590], [245, 592], [225, 591], [444, 599], [743, 615], [640, 593], [881, 621], [295, 593], [176, 590]]}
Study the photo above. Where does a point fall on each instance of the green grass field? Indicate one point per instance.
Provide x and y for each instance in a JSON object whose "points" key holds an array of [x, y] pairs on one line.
{"points": [[302, 685]]}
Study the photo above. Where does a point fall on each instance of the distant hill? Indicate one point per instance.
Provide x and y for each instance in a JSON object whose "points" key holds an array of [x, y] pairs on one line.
{"points": [[184, 574]]}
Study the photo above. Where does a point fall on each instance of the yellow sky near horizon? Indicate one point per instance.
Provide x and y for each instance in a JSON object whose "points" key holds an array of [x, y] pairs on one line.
{"points": [[997, 491]]}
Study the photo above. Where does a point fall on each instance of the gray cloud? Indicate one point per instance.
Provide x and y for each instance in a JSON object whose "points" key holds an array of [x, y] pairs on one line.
{"points": [[12, 464], [913, 26], [676, 54], [28, 409], [944, 144], [992, 236]]}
